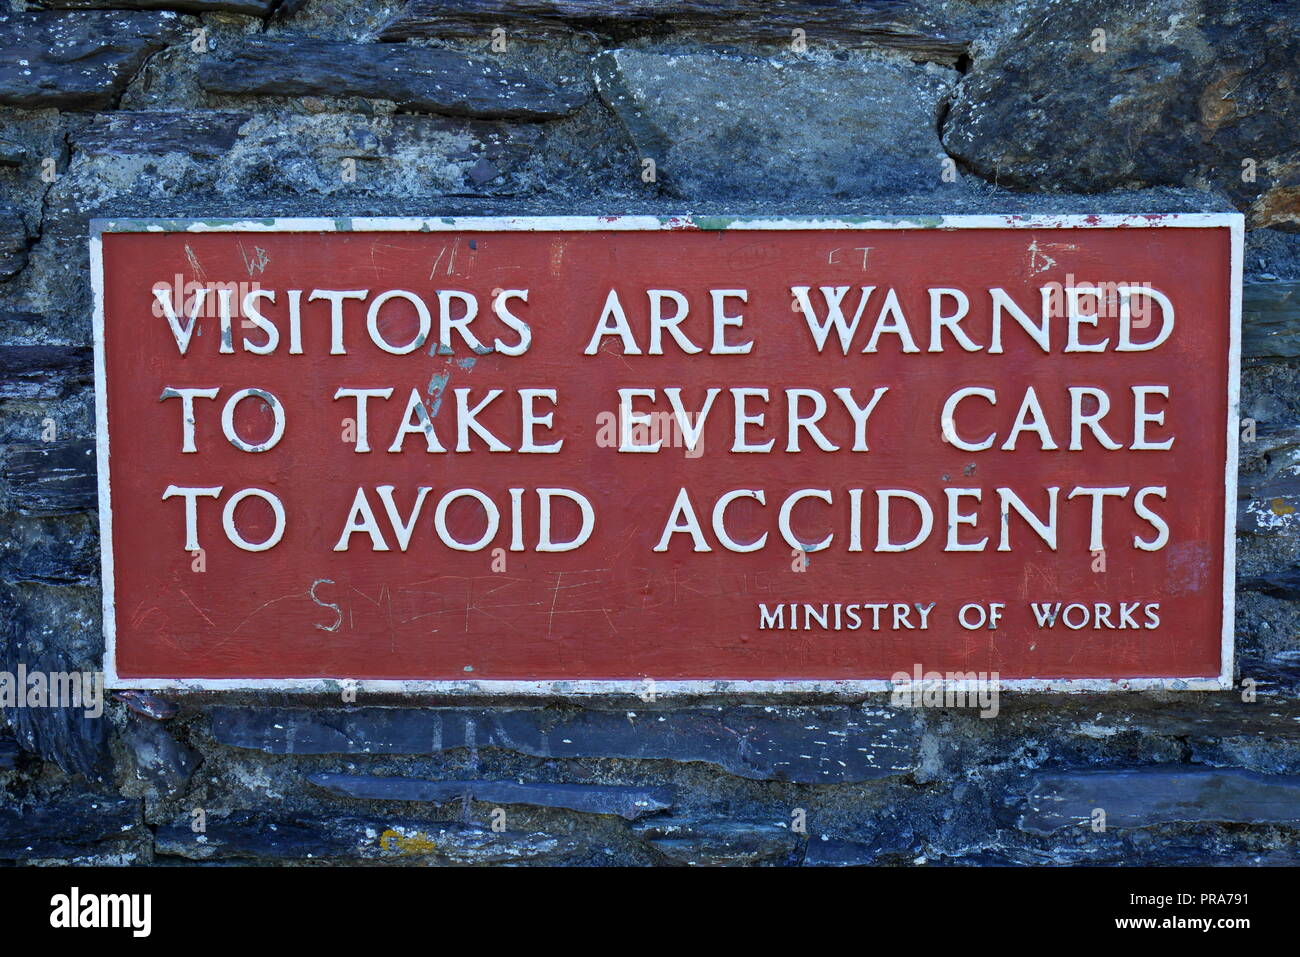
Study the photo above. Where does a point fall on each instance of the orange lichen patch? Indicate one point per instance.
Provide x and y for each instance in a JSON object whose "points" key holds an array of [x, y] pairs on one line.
{"points": [[1279, 206], [417, 843], [1217, 105]]}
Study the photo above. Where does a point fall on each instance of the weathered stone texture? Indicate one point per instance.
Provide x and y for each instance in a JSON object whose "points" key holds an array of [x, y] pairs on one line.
{"points": [[729, 842], [918, 30], [76, 739], [68, 829], [77, 60], [252, 8], [626, 802], [43, 372], [51, 478], [781, 744], [160, 760], [13, 242], [1194, 92], [1271, 319], [202, 135], [243, 836], [740, 126], [419, 79], [55, 550], [1152, 796]]}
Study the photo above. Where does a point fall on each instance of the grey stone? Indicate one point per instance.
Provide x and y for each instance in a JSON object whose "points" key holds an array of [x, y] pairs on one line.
{"points": [[1152, 796], [889, 845], [1268, 483], [67, 828], [1117, 849], [1279, 583], [50, 550], [1270, 319], [1268, 502], [12, 153], [1176, 716], [419, 79], [715, 843], [1275, 675], [53, 477], [822, 745], [1185, 91], [160, 759], [740, 126], [483, 172], [626, 802], [911, 28], [20, 323], [79, 60], [147, 705], [196, 133], [13, 242], [67, 736], [281, 156], [252, 8], [247, 836], [43, 372]]}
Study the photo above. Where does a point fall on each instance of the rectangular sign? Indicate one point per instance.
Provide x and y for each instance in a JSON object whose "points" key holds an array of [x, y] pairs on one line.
{"points": [[572, 455]]}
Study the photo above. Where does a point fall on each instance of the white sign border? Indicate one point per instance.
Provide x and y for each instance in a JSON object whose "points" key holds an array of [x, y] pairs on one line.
{"points": [[1234, 222]]}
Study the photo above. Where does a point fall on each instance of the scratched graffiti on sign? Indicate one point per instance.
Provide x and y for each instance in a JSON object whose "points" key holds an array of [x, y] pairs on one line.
{"points": [[583, 454]]}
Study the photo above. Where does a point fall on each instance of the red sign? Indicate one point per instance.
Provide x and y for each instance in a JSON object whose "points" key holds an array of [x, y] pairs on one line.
{"points": [[588, 454]]}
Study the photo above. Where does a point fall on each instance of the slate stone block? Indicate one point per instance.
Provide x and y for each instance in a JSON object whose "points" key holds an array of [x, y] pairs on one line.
{"points": [[1268, 503], [1281, 583], [911, 28], [66, 828], [626, 802], [717, 843], [740, 126], [54, 550], [891, 845], [77, 60], [43, 372], [247, 836], [214, 157], [821, 745], [69, 736], [418, 79], [51, 478], [1192, 716], [199, 133], [1270, 323], [1152, 796], [1276, 674], [1182, 94], [147, 705], [159, 758], [252, 8]]}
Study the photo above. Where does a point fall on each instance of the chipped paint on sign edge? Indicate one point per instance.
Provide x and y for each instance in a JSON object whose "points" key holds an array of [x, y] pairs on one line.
{"points": [[679, 222]]}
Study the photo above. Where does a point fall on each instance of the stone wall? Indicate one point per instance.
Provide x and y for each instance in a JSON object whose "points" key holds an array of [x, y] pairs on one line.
{"points": [[430, 107]]}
